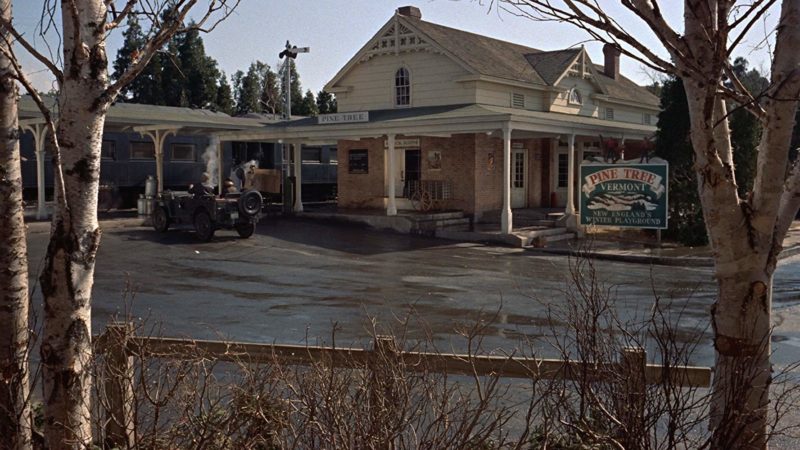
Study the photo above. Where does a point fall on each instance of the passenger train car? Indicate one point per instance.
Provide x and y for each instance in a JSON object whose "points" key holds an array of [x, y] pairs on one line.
{"points": [[129, 158]]}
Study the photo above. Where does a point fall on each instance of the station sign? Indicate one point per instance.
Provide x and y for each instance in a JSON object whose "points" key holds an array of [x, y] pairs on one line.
{"points": [[403, 143], [624, 194], [349, 117]]}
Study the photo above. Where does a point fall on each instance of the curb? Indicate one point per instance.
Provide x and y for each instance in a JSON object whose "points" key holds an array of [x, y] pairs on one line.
{"points": [[687, 261], [634, 259]]}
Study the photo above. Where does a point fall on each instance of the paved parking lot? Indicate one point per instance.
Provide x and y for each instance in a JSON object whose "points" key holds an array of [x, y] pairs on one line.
{"points": [[295, 279]]}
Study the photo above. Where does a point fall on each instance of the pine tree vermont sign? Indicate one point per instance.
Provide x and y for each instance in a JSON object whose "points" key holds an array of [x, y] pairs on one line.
{"points": [[624, 194]]}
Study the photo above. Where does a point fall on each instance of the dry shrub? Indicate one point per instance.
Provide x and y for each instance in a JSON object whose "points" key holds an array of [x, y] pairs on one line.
{"points": [[187, 398]]}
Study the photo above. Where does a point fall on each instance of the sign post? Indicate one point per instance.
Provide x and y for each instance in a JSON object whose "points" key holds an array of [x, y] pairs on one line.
{"points": [[625, 194]]}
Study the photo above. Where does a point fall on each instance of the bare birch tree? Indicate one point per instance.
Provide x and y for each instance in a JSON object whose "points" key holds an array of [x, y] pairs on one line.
{"points": [[84, 95], [746, 233], [15, 420]]}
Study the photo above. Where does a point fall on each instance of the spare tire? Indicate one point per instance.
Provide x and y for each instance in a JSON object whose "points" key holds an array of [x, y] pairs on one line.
{"points": [[250, 203]]}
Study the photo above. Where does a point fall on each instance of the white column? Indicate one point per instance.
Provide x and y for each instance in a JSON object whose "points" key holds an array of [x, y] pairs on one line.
{"points": [[39, 131], [158, 137], [391, 208], [570, 210], [506, 221], [159, 149], [298, 179]]}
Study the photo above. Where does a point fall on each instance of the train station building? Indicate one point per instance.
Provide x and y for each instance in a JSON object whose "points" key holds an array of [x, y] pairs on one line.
{"points": [[467, 122]]}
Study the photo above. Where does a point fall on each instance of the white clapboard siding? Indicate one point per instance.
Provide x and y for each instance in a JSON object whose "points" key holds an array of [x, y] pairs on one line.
{"points": [[488, 93], [371, 83], [589, 107]]}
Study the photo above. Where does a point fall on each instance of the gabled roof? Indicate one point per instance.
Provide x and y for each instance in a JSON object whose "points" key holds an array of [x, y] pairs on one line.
{"points": [[552, 65], [482, 55]]}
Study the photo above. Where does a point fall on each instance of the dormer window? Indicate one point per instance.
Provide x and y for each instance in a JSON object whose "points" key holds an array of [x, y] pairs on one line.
{"points": [[574, 97], [402, 87]]}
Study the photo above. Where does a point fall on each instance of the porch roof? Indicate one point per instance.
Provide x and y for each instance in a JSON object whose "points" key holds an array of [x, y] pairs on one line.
{"points": [[132, 117], [442, 121]]}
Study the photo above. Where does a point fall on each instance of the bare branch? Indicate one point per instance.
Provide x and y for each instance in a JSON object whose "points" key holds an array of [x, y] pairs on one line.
{"points": [[4, 24], [590, 17], [20, 76], [165, 31], [118, 18]]}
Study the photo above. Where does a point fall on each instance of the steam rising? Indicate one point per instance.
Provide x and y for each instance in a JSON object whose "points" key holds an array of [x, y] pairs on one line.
{"points": [[210, 158]]}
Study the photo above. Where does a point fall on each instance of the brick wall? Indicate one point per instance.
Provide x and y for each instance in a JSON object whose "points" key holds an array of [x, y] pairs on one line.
{"points": [[476, 183], [457, 167], [361, 190], [488, 176]]}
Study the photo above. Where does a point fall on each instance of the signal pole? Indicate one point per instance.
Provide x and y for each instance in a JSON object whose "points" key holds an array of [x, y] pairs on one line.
{"points": [[290, 53]]}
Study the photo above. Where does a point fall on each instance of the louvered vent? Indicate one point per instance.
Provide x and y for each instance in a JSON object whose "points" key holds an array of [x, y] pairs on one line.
{"points": [[517, 100]]}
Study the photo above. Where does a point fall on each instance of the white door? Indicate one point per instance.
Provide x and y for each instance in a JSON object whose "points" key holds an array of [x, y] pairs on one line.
{"points": [[519, 178]]}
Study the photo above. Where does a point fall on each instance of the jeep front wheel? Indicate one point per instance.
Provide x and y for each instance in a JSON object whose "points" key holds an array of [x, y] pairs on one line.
{"points": [[245, 230], [160, 220], [203, 226]]}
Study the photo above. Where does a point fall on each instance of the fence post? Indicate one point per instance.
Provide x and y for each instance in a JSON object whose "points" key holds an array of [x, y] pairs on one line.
{"points": [[118, 384], [632, 395], [381, 388]]}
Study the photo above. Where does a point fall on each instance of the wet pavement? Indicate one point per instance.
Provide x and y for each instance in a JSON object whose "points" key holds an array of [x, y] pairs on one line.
{"points": [[295, 279]]}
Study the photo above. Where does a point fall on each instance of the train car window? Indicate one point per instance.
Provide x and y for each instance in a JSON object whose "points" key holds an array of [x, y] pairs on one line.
{"points": [[358, 161], [333, 156], [182, 152], [311, 154], [108, 150], [143, 150]]}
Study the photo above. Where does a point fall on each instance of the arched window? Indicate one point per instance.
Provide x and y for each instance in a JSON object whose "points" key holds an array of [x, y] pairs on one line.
{"points": [[402, 87], [575, 97]]}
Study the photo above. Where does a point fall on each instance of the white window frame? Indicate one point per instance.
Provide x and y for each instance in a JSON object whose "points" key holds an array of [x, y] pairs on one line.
{"points": [[395, 87]]}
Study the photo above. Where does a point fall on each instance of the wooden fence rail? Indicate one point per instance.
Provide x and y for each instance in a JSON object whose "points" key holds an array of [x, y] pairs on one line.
{"points": [[119, 345]]}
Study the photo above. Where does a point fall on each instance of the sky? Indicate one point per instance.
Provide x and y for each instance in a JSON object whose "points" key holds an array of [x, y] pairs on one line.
{"points": [[336, 29]]}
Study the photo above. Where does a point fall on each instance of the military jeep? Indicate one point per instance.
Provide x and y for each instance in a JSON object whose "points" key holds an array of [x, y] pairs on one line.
{"points": [[208, 213]]}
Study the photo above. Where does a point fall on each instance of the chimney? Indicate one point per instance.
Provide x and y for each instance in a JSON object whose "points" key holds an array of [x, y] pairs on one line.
{"points": [[611, 68], [410, 11]]}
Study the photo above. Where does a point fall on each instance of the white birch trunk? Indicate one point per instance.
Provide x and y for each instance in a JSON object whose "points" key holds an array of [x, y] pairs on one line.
{"points": [[15, 412], [75, 236], [745, 234]]}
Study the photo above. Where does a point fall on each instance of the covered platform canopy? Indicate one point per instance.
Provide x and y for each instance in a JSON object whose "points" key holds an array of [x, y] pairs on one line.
{"points": [[155, 122], [445, 121]]}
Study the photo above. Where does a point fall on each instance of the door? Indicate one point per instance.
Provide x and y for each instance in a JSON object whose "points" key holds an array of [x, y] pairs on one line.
{"points": [[519, 178], [412, 171]]}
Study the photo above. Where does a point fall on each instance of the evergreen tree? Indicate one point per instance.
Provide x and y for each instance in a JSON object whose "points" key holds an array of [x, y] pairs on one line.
{"points": [[745, 128], [308, 106], [199, 71], [132, 44], [326, 102], [172, 77], [247, 90], [270, 99], [672, 144], [224, 101]]}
